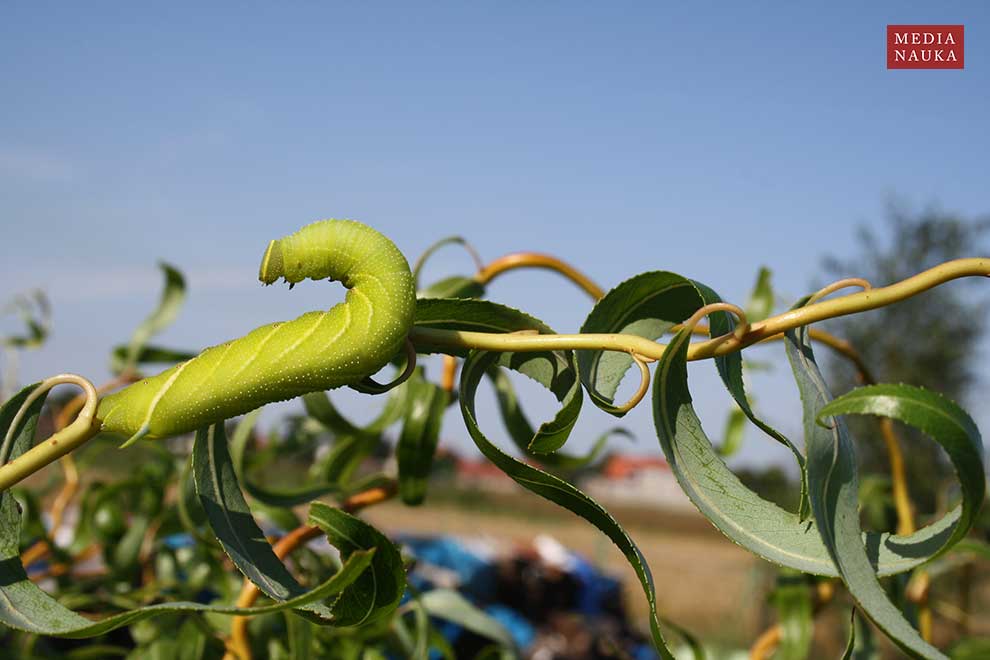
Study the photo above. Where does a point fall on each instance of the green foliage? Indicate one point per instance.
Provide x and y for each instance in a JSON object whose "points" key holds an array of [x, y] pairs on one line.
{"points": [[228, 496], [834, 491], [732, 436], [761, 299], [792, 600], [553, 488], [377, 592], [36, 312], [927, 340], [971, 649], [646, 305], [452, 606], [27, 608], [417, 270], [420, 433], [232, 522], [126, 359]]}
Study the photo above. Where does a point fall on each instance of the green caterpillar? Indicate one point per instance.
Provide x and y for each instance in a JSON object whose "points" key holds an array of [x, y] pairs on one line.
{"points": [[317, 351]]}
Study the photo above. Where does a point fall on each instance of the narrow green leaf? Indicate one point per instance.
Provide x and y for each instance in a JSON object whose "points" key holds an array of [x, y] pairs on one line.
{"points": [[19, 440], [242, 435], [862, 644], [418, 439], [553, 488], [761, 527], [648, 305], [319, 406], [732, 437], [730, 371], [940, 419], [127, 550], [450, 605], [189, 510], [345, 456], [421, 640], [690, 641], [760, 303], [368, 385], [232, 522], [555, 370], [268, 497], [770, 532], [851, 644], [173, 295], [36, 312], [833, 490], [147, 355], [405, 639], [376, 594], [565, 463], [449, 240], [521, 431], [300, 637], [455, 286], [471, 315], [792, 600], [352, 443]]}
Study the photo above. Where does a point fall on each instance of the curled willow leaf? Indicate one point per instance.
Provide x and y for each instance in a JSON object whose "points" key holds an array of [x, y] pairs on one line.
{"points": [[555, 489]]}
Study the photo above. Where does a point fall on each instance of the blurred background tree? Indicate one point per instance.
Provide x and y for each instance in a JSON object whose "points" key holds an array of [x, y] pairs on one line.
{"points": [[929, 340]]}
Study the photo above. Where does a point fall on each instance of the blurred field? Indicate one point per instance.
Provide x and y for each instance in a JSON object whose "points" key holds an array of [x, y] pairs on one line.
{"points": [[701, 577], [704, 582]]}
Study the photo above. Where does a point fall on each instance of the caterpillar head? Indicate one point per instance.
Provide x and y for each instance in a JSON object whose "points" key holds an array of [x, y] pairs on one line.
{"points": [[272, 267]]}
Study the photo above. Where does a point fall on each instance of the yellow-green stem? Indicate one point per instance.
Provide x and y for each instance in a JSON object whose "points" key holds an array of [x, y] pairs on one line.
{"points": [[766, 329], [537, 260], [60, 443]]}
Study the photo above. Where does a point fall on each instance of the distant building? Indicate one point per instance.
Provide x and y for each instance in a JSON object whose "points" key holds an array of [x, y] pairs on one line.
{"points": [[643, 481], [637, 480], [483, 475]]}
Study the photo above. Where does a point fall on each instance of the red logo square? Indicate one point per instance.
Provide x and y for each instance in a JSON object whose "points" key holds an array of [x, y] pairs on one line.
{"points": [[925, 47]]}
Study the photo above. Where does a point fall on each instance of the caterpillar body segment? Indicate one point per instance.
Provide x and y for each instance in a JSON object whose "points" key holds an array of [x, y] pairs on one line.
{"points": [[317, 351]]}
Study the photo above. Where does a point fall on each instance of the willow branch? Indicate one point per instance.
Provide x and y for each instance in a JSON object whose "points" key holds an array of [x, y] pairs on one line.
{"points": [[536, 260], [542, 261], [61, 442], [448, 378], [70, 471], [722, 345]]}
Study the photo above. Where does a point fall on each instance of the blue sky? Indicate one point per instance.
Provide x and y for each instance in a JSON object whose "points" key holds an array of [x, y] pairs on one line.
{"points": [[706, 139]]}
